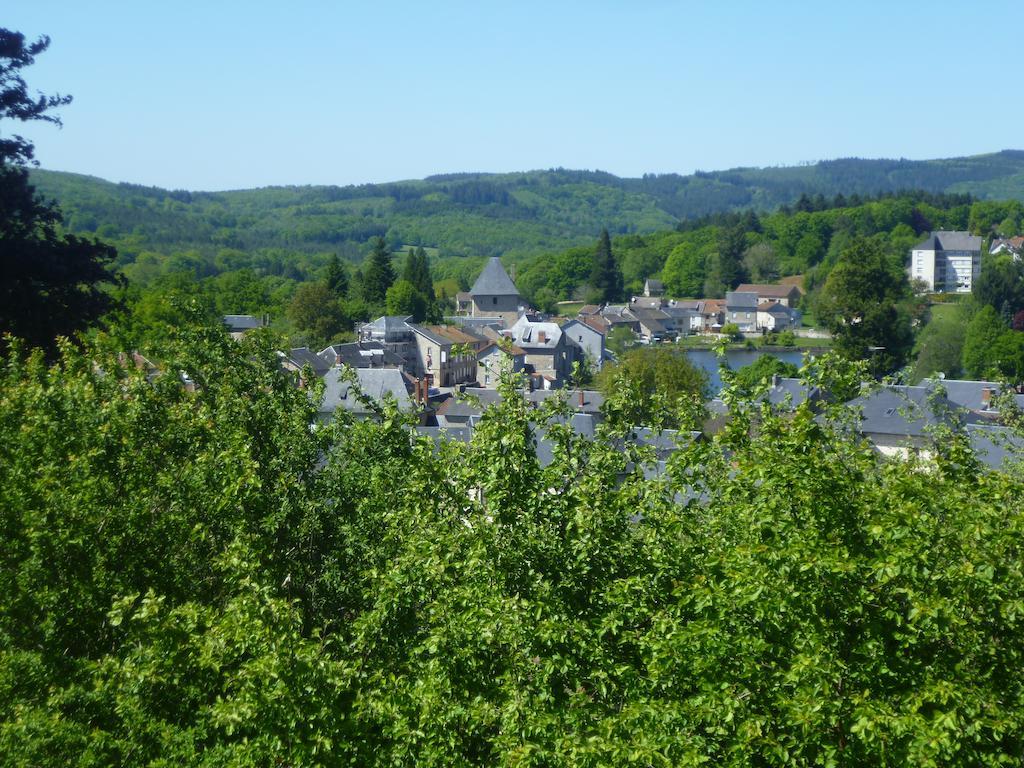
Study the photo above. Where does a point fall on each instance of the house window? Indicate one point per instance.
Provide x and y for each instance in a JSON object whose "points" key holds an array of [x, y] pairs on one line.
{"points": [[494, 299]]}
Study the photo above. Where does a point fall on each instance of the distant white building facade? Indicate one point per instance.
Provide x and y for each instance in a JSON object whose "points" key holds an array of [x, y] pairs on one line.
{"points": [[947, 262]]}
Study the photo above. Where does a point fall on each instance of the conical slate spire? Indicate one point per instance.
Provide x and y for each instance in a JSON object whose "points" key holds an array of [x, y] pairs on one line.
{"points": [[494, 281]]}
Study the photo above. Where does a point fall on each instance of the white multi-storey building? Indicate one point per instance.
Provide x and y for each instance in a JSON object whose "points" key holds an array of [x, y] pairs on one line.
{"points": [[947, 262]]}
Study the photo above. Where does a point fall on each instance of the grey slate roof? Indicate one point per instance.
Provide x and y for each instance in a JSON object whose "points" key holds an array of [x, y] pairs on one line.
{"points": [[494, 281], [645, 302], [592, 399], [651, 319], [996, 447], [388, 323], [902, 410], [966, 394], [375, 383], [945, 240], [237, 323], [787, 390], [360, 354], [300, 356], [741, 300]]}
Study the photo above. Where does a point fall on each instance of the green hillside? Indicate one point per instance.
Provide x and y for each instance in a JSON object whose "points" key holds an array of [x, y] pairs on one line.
{"points": [[515, 214]]}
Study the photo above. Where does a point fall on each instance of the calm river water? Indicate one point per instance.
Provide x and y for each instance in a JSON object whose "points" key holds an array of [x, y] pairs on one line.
{"points": [[737, 358]]}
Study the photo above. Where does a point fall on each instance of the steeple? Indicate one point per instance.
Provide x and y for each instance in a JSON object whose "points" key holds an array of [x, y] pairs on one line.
{"points": [[494, 281]]}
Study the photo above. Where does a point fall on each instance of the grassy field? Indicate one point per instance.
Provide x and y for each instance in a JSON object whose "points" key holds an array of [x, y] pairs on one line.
{"points": [[569, 308], [940, 310]]}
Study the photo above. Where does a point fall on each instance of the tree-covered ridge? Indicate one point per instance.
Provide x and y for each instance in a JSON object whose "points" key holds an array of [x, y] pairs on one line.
{"points": [[198, 578], [488, 214]]}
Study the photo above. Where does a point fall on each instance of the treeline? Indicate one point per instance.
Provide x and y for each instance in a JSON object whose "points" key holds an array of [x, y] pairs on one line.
{"points": [[711, 255], [516, 214]]}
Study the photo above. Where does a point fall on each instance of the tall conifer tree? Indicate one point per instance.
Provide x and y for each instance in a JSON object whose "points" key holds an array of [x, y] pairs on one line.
{"points": [[605, 275], [378, 274], [337, 277]]}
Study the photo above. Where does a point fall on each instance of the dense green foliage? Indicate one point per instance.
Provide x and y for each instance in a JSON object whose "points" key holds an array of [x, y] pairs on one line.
{"points": [[660, 383], [863, 304], [710, 256], [750, 378], [939, 346], [489, 214], [197, 578]]}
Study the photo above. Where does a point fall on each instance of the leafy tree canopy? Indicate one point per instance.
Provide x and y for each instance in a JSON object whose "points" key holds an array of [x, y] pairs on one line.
{"points": [[661, 382], [194, 576], [860, 304], [750, 377], [403, 299]]}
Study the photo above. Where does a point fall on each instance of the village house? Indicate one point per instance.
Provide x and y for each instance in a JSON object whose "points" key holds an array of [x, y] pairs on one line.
{"points": [[1013, 246], [494, 359], [900, 421], [786, 295], [445, 354], [589, 339], [463, 303], [653, 287], [617, 315], [776, 316], [712, 312], [741, 309], [396, 336], [548, 350], [683, 320], [296, 359], [376, 384]]}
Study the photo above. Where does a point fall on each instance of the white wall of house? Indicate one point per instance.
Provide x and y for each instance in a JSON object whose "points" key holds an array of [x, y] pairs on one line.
{"points": [[953, 271]]}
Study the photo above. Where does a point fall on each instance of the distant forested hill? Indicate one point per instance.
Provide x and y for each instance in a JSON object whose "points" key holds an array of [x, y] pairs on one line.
{"points": [[515, 214]]}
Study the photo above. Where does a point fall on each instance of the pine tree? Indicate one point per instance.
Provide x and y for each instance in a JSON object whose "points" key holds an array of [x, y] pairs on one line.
{"points": [[337, 277], [410, 268], [51, 283], [605, 275], [378, 275], [424, 281]]}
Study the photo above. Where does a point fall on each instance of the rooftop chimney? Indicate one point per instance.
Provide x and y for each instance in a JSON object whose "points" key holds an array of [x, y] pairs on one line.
{"points": [[986, 397]]}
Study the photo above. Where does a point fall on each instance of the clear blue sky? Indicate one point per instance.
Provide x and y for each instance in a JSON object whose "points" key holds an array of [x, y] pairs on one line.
{"points": [[226, 95]]}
